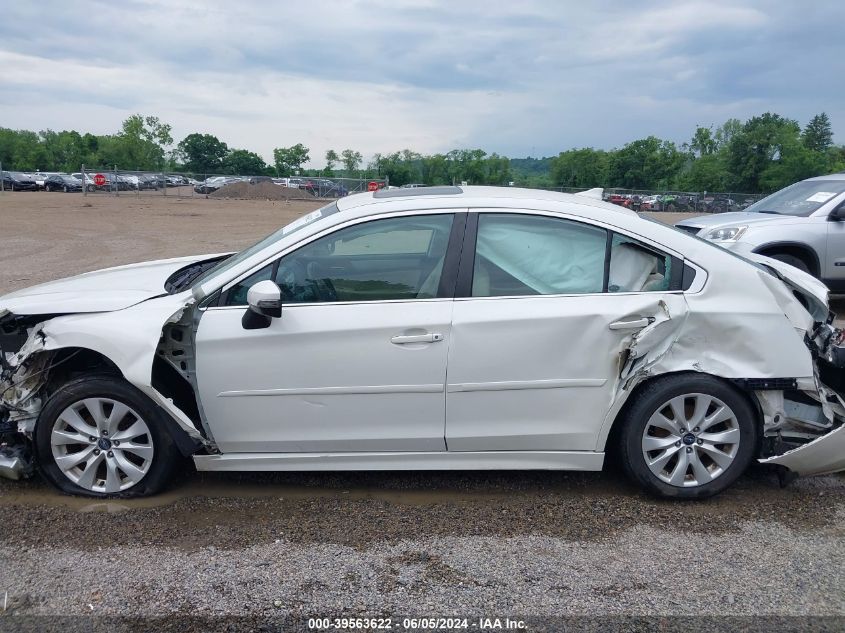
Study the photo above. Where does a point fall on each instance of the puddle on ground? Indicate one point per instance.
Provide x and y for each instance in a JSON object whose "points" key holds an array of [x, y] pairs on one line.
{"points": [[42, 495]]}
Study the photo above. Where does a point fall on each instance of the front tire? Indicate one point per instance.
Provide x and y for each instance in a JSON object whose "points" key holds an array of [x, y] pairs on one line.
{"points": [[792, 260], [688, 436], [99, 436]]}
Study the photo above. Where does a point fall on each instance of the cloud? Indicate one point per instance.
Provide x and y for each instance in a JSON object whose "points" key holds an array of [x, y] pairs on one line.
{"points": [[533, 77]]}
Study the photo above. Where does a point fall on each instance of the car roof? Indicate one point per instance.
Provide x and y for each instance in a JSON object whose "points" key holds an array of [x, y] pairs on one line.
{"points": [[837, 176], [386, 201]]}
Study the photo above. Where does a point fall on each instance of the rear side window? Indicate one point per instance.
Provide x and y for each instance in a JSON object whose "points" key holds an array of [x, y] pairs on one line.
{"points": [[536, 255], [636, 267]]}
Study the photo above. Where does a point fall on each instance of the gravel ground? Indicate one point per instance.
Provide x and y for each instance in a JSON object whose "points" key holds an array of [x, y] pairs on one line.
{"points": [[386, 544]]}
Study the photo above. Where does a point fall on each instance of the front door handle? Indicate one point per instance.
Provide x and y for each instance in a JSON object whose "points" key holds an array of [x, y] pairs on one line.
{"points": [[634, 324], [432, 337]]}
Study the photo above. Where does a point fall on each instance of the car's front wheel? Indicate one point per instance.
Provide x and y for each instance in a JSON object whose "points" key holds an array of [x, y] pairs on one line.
{"points": [[101, 437], [688, 436]]}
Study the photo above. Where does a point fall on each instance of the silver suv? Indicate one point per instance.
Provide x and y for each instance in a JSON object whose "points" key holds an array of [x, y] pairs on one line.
{"points": [[802, 225]]}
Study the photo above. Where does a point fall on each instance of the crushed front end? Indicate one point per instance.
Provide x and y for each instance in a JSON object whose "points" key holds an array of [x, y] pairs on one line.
{"points": [[22, 376]]}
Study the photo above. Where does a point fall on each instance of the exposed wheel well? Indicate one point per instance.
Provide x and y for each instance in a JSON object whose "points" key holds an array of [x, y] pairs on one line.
{"points": [[802, 252], [613, 435], [71, 362]]}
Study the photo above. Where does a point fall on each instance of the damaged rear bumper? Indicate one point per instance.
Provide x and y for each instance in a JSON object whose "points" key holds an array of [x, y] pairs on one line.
{"points": [[825, 454]]}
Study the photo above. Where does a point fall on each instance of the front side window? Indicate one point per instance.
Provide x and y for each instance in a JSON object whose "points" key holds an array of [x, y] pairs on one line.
{"points": [[389, 259], [537, 255]]}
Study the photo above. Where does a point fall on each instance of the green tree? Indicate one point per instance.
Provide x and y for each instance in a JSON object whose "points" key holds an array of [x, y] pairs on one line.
{"points": [[467, 165], [795, 162], [703, 142], [241, 162], [725, 132], [435, 170], [288, 160], [585, 168], [351, 160], [648, 163], [751, 151], [142, 142], [202, 153], [818, 135], [707, 173]]}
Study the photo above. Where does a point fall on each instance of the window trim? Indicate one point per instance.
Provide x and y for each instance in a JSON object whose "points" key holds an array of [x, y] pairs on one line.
{"points": [[463, 289], [447, 280]]}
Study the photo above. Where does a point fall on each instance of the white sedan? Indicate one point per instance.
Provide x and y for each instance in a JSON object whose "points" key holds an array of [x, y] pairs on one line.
{"points": [[428, 328]]}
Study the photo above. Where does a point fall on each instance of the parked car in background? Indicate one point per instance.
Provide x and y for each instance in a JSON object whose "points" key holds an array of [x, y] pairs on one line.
{"points": [[147, 181], [802, 225], [413, 185], [88, 182], [214, 183], [40, 177], [325, 188], [494, 328], [62, 182], [618, 198], [128, 181], [18, 181], [253, 180]]}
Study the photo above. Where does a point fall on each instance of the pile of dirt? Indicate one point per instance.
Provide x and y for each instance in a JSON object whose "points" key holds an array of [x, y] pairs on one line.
{"points": [[260, 191]]}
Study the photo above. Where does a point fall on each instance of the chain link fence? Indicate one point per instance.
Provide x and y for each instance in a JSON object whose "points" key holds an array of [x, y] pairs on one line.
{"points": [[117, 182], [675, 201]]}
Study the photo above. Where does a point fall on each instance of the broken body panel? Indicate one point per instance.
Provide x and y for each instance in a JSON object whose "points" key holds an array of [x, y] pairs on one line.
{"points": [[763, 326]]}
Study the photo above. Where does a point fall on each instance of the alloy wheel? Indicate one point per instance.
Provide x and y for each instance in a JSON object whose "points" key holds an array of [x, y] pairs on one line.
{"points": [[690, 440], [102, 445]]}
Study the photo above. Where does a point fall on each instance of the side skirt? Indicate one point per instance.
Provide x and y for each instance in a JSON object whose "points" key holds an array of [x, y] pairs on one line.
{"points": [[487, 460]]}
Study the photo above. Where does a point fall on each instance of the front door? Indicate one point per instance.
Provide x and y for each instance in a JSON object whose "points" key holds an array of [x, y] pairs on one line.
{"points": [[357, 361]]}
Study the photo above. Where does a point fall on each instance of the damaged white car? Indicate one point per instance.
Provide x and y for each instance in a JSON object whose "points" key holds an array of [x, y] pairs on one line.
{"points": [[428, 328]]}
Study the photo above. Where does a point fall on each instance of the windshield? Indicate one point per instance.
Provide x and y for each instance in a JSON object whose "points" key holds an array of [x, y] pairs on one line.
{"points": [[802, 198], [245, 254]]}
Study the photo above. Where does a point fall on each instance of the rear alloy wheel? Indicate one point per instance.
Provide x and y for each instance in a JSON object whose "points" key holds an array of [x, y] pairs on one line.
{"points": [[101, 437], [64, 188], [688, 436]]}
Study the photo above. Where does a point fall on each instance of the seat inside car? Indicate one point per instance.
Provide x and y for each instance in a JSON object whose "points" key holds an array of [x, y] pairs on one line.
{"points": [[633, 269]]}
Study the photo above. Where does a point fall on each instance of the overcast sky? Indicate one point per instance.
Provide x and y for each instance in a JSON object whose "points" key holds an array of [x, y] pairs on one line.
{"points": [[527, 78]]}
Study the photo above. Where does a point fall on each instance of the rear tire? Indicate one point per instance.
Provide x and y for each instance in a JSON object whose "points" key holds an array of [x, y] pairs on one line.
{"points": [[99, 436], [688, 436]]}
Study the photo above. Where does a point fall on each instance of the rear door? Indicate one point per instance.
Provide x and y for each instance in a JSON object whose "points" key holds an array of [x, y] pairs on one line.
{"points": [[545, 309]]}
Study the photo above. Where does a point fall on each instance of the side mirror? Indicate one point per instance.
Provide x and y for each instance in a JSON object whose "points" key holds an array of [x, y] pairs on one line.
{"points": [[838, 214], [265, 304]]}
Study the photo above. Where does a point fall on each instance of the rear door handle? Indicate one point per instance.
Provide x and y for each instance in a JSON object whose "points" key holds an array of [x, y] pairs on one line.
{"points": [[432, 337], [631, 325]]}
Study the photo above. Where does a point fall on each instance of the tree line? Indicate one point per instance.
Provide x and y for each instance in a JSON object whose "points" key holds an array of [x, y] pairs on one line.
{"points": [[762, 154]]}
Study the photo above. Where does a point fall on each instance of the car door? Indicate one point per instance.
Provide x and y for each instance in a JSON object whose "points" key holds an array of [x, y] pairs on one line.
{"points": [[833, 264], [356, 362], [541, 324]]}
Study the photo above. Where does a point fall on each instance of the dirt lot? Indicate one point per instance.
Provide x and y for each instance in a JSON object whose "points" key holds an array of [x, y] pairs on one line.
{"points": [[424, 544]]}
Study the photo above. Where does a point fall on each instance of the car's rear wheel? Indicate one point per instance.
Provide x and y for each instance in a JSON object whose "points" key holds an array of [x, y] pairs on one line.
{"points": [[101, 437], [688, 436]]}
